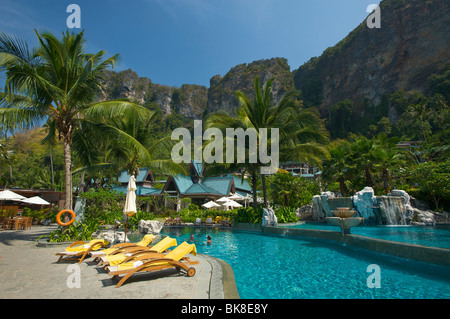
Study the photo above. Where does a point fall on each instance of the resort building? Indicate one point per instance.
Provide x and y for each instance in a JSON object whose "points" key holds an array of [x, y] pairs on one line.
{"points": [[301, 169], [195, 186]]}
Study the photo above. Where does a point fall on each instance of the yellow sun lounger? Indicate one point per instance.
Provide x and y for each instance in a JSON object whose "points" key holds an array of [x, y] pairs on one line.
{"points": [[161, 246], [81, 249], [174, 259], [145, 241]]}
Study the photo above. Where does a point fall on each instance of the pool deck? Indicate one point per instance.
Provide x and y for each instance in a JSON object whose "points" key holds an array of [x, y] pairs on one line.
{"points": [[31, 272]]}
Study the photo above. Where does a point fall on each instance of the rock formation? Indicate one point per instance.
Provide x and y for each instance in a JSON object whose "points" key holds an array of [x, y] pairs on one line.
{"points": [[398, 208], [412, 43]]}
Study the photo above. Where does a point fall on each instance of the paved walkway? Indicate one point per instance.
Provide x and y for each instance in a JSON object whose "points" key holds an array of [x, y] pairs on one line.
{"points": [[28, 271]]}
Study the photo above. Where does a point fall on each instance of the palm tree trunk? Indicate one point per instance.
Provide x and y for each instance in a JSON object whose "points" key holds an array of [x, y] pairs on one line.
{"points": [[386, 181], [68, 174], [263, 182], [255, 201], [51, 168], [368, 177], [342, 186]]}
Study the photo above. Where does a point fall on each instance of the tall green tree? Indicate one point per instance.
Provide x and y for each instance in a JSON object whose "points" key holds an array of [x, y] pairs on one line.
{"points": [[58, 81], [339, 167], [300, 131]]}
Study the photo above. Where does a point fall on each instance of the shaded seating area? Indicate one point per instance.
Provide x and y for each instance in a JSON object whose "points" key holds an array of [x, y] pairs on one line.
{"points": [[10, 220]]}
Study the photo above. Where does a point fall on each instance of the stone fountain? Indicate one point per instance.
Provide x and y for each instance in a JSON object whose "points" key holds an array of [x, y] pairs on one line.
{"points": [[344, 219]]}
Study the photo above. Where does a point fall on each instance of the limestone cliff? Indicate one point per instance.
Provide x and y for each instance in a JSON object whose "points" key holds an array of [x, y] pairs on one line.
{"points": [[189, 100], [241, 77], [412, 43]]}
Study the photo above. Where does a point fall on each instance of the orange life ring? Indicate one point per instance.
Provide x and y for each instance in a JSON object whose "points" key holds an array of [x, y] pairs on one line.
{"points": [[58, 217]]}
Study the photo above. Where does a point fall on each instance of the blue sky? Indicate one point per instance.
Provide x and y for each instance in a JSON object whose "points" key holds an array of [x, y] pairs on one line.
{"points": [[188, 41]]}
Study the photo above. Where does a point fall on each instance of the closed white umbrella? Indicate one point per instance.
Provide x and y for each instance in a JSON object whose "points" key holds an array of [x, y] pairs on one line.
{"points": [[210, 204], [130, 201], [8, 195], [36, 200]]}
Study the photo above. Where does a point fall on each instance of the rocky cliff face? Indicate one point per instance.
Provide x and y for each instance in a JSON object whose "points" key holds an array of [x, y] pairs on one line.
{"points": [[193, 101], [189, 100], [412, 43], [241, 77]]}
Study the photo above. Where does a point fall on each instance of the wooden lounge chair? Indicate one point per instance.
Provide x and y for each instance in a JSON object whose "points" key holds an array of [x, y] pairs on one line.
{"points": [[209, 220], [79, 250], [117, 258], [152, 263], [145, 241]]}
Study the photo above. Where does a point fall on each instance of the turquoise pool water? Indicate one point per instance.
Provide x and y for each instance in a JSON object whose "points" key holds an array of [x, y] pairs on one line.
{"points": [[274, 267], [420, 235]]}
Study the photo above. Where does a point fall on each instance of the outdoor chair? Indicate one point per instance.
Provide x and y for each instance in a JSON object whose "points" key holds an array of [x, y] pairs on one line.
{"points": [[117, 258], [175, 259], [79, 250], [23, 222], [145, 241], [209, 220]]}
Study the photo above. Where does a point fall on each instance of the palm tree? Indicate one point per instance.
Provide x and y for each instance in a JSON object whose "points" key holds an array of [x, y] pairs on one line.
{"points": [[338, 167], [299, 131], [57, 81], [362, 157]]}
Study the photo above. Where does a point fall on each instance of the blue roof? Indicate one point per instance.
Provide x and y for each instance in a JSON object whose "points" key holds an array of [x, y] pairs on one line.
{"points": [[241, 184], [140, 190], [198, 166], [125, 177], [220, 184], [183, 182], [209, 185]]}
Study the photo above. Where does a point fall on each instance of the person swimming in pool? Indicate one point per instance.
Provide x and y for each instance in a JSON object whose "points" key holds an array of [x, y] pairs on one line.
{"points": [[192, 238], [208, 240]]}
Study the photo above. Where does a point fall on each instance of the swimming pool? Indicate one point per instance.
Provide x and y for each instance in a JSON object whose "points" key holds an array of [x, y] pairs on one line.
{"points": [[420, 235], [276, 267]]}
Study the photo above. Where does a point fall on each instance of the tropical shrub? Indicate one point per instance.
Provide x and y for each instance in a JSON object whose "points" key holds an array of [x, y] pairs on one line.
{"points": [[286, 215], [74, 232], [249, 215]]}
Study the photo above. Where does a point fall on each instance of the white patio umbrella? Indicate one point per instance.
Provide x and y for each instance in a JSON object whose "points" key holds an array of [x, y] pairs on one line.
{"points": [[211, 204], [36, 200], [236, 196], [223, 200], [130, 202], [9, 195], [232, 203]]}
